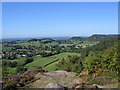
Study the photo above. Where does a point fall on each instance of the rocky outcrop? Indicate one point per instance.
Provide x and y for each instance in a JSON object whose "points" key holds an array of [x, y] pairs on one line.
{"points": [[59, 73], [83, 86], [61, 79], [87, 86], [54, 86]]}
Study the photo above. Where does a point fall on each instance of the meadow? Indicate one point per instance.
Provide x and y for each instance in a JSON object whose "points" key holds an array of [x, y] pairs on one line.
{"points": [[41, 62]]}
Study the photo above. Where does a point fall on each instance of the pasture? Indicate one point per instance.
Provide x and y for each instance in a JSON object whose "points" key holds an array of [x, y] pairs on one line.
{"points": [[41, 62]]}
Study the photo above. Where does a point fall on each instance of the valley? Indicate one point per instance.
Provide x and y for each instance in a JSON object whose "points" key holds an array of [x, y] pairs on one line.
{"points": [[96, 55]]}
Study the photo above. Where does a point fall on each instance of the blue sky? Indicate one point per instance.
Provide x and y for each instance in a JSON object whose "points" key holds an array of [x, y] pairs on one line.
{"points": [[49, 19]]}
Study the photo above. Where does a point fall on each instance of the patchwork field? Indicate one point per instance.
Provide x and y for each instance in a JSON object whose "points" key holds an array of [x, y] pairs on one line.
{"points": [[48, 63], [41, 62]]}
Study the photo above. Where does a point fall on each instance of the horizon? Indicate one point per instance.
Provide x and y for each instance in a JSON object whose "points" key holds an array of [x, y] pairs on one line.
{"points": [[56, 19], [55, 36]]}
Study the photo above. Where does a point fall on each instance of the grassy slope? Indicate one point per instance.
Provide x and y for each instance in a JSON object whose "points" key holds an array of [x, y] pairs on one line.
{"points": [[51, 44], [40, 62], [5, 48], [79, 43], [36, 43], [12, 70], [51, 67], [20, 62]]}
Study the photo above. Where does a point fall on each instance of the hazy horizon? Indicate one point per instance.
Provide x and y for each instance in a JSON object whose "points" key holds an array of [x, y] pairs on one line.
{"points": [[58, 36], [56, 19]]}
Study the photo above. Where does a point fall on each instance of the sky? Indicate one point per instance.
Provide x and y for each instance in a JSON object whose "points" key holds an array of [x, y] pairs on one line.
{"points": [[50, 19]]}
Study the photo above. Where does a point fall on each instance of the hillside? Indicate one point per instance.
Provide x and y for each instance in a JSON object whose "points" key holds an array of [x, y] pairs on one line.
{"points": [[100, 56], [90, 61], [95, 37]]}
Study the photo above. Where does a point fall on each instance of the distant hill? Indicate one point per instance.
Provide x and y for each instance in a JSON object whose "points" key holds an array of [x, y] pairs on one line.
{"points": [[95, 37], [32, 39]]}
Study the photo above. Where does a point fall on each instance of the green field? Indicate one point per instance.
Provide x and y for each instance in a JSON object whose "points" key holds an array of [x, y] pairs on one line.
{"points": [[51, 67], [79, 43], [12, 70], [36, 43], [66, 45], [40, 62], [5, 48], [20, 61], [51, 44]]}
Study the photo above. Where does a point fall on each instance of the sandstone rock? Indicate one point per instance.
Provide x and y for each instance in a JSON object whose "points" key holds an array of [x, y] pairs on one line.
{"points": [[54, 86], [86, 87]]}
